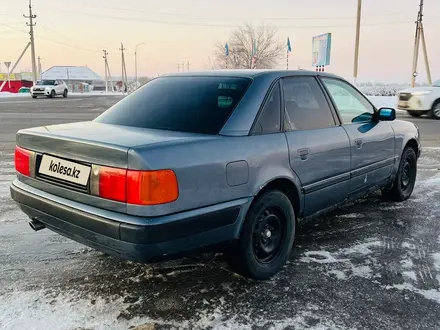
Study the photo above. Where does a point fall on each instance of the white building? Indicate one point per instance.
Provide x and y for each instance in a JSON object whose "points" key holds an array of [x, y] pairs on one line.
{"points": [[77, 78]]}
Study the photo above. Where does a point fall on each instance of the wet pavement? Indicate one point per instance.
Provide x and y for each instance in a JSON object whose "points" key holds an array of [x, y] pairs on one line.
{"points": [[369, 265]]}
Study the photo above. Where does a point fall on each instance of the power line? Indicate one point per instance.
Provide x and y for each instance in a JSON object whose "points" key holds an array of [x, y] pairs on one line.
{"points": [[131, 19], [233, 18], [69, 45], [13, 28]]}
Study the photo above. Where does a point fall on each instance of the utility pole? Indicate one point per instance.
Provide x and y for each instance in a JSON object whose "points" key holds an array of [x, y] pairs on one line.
{"points": [[178, 67], [109, 75], [420, 34], [187, 65], [31, 32], [135, 63], [356, 47], [105, 69], [124, 70], [39, 67]]}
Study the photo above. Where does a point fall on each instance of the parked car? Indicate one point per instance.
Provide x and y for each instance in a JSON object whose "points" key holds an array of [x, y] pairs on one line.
{"points": [[229, 159], [49, 88], [418, 101]]}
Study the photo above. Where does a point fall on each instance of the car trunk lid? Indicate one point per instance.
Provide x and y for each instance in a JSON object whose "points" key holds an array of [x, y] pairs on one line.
{"points": [[93, 143], [65, 157]]}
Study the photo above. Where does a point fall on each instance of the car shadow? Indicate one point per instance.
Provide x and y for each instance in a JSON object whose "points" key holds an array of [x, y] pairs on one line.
{"points": [[180, 290]]}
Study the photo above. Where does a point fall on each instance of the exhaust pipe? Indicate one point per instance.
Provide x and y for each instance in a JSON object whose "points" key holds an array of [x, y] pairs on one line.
{"points": [[36, 225]]}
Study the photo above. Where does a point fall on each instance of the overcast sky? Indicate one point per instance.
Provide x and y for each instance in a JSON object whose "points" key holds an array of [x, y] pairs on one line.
{"points": [[74, 32]]}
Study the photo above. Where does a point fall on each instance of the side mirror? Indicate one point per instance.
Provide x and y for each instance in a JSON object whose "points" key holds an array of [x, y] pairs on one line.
{"points": [[386, 114]]}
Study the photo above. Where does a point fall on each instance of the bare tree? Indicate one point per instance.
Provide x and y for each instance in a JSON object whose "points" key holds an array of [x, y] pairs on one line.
{"points": [[250, 47]]}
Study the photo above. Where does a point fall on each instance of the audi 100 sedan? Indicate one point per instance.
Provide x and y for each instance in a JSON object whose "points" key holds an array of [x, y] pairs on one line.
{"points": [[232, 159]]}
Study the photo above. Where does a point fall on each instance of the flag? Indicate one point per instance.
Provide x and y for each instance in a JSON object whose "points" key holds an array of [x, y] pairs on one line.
{"points": [[289, 48], [226, 49], [254, 54], [254, 47]]}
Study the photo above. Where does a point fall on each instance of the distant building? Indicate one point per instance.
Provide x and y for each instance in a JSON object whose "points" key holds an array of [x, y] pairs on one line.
{"points": [[77, 78]]}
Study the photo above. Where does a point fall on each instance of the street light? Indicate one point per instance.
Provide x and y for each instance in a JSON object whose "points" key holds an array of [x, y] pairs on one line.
{"points": [[135, 61]]}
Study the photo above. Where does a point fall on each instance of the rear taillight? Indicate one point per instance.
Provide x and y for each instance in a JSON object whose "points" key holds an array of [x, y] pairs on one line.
{"points": [[22, 160], [151, 187], [135, 187], [112, 183]]}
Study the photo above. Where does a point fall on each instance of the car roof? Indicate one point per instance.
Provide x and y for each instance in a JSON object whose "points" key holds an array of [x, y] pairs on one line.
{"points": [[249, 73]]}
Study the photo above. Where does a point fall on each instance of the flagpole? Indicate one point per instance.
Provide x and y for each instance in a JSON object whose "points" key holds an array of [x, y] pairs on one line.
{"points": [[226, 54]]}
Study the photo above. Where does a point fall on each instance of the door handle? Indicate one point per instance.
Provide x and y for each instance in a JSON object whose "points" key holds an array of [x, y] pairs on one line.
{"points": [[303, 153], [358, 143]]}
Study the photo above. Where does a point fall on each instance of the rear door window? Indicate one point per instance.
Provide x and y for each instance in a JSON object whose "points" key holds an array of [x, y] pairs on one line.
{"points": [[305, 105], [185, 104]]}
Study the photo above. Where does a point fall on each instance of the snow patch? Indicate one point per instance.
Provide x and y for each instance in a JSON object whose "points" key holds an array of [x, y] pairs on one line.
{"points": [[4, 189], [361, 248], [351, 216], [436, 258], [407, 264], [36, 310], [362, 271], [40, 310], [410, 275], [321, 257], [356, 261], [434, 181], [340, 275], [8, 94], [431, 294]]}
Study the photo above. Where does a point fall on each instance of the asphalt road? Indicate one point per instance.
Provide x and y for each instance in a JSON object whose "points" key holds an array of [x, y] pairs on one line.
{"points": [[370, 265]]}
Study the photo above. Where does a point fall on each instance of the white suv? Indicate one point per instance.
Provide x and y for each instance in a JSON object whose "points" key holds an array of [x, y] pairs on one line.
{"points": [[421, 100], [49, 88]]}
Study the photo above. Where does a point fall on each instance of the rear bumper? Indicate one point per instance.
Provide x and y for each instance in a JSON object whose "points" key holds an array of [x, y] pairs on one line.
{"points": [[127, 236]]}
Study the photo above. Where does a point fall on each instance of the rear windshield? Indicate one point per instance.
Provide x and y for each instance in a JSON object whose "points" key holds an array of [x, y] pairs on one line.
{"points": [[185, 104]]}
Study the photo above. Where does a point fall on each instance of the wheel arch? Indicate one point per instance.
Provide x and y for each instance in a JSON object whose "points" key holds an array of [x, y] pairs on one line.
{"points": [[437, 100], [283, 184], [412, 143], [289, 188]]}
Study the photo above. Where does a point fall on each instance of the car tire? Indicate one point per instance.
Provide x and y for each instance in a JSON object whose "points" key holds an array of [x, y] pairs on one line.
{"points": [[52, 93], [267, 237], [34, 96], [435, 111], [405, 180], [415, 113], [65, 93]]}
